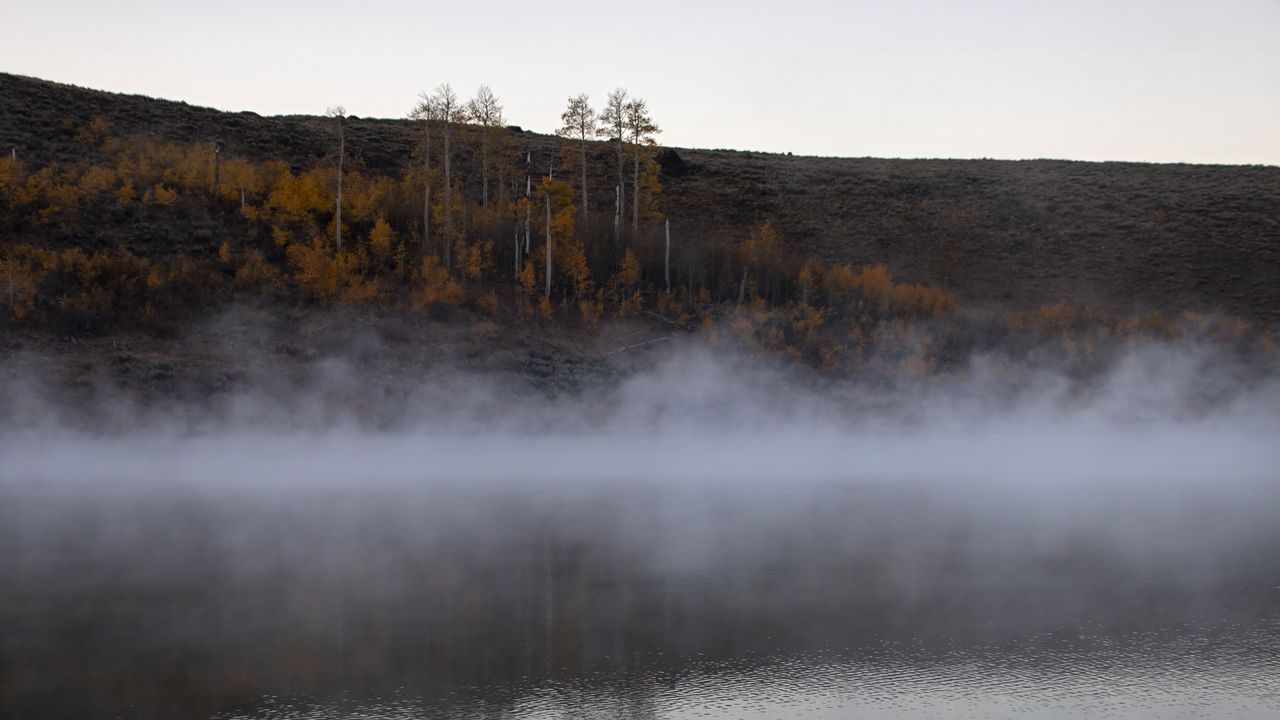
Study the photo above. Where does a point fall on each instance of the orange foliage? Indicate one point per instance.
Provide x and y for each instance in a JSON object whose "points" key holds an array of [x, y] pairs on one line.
{"points": [[434, 286]]}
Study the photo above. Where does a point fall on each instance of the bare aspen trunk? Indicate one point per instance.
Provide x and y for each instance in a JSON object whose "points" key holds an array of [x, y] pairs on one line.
{"points": [[548, 246], [515, 232], [742, 287], [528, 206], [242, 198], [342, 151], [622, 177], [617, 219], [666, 261]]}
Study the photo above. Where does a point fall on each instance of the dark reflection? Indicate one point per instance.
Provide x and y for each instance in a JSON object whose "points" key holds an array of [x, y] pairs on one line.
{"points": [[642, 601]]}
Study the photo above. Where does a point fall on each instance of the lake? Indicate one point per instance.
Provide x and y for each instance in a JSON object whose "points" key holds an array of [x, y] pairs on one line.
{"points": [[638, 598]]}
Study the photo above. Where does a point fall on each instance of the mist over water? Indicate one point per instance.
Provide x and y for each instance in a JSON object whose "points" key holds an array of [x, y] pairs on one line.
{"points": [[711, 536]]}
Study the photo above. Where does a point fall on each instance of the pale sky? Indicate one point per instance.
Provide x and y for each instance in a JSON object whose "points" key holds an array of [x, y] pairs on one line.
{"points": [[1153, 80]]}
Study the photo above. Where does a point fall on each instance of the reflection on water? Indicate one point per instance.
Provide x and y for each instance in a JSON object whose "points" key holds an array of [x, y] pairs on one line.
{"points": [[640, 600]]}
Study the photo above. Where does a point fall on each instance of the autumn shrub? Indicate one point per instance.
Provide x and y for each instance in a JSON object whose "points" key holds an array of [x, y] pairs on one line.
{"points": [[433, 286], [257, 278]]}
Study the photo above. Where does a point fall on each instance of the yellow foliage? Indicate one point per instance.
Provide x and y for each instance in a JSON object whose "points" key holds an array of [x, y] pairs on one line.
{"points": [[330, 276], [545, 308], [434, 286], [160, 195], [629, 274], [96, 180], [281, 235], [257, 276], [1049, 320], [631, 304], [528, 278], [381, 238], [9, 170], [874, 283], [476, 259], [365, 198], [297, 197], [919, 299], [572, 261], [96, 132], [18, 277]]}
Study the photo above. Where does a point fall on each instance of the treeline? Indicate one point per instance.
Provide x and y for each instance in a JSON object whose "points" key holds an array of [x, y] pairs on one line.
{"points": [[143, 232]]}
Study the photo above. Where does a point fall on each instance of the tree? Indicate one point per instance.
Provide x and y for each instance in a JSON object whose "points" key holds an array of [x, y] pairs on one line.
{"points": [[443, 107], [485, 111], [640, 131], [558, 196], [613, 125], [422, 111], [340, 113], [580, 123], [382, 238]]}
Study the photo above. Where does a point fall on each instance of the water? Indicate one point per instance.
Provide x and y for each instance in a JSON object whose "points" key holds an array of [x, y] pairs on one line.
{"points": [[640, 599]]}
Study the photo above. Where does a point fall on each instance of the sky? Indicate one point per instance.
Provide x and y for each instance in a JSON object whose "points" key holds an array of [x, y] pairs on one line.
{"points": [[1146, 80]]}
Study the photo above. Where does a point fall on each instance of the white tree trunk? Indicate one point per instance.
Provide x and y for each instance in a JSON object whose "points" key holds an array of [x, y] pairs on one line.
{"points": [[617, 216], [622, 177]]}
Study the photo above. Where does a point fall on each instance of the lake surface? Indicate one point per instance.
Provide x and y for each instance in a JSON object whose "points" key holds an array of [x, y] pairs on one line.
{"points": [[640, 599]]}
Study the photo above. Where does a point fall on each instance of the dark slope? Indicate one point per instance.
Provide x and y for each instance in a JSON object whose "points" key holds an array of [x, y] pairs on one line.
{"points": [[1129, 236]]}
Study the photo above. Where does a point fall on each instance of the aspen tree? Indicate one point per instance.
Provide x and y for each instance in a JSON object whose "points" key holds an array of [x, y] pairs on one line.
{"points": [[580, 123], [613, 125], [485, 111], [640, 131], [422, 111], [528, 196], [339, 113], [444, 108]]}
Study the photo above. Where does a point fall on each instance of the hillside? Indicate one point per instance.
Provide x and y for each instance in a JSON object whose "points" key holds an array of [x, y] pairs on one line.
{"points": [[1129, 237]]}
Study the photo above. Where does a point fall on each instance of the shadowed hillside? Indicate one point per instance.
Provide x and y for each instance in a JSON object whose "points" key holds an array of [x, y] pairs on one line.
{"points": [[1129, 237]]}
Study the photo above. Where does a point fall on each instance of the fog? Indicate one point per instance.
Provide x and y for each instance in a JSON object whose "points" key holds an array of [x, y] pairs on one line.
{"points": [[707, 516], [1162, 414], [702, 451]]}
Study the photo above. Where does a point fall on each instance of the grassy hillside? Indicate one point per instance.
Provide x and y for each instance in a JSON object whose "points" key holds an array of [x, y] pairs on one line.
{"points": [[1128, 237]]}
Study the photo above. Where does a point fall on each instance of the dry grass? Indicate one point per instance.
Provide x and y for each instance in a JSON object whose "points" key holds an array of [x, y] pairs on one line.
{"points": [[1129, 237]]}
